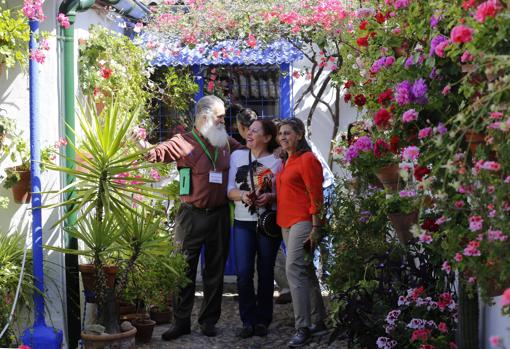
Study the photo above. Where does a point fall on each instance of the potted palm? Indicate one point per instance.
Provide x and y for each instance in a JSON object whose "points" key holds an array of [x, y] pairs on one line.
{"points": [[109, 198]]}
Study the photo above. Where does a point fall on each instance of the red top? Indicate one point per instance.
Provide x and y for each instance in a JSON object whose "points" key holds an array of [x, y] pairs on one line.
{"points": [[299, 190]]}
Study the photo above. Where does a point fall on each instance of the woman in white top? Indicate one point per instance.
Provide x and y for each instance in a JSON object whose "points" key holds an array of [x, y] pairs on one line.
{"points": [[255, 308]]}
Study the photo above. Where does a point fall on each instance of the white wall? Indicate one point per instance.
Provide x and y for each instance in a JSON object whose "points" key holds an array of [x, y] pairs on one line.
{"points": [[322, 123], [494, 324]]}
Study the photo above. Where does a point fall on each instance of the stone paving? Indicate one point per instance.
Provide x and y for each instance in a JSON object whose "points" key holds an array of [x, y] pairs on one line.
{"points": [[280, 330]]}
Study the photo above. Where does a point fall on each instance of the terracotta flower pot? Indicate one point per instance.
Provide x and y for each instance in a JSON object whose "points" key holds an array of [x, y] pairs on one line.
{"points": [[21, 190], [389, 176], [161, 317], [144, 329], [89, 279], [474, 139], [402, 223], [123, 340]]}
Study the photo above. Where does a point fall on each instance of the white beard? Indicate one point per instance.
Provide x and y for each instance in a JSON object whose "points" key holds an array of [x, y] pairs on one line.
{"points": [[215, 134]]}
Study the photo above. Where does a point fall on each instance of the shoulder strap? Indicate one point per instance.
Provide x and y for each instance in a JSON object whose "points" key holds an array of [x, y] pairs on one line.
{"points": [[250, 169]]}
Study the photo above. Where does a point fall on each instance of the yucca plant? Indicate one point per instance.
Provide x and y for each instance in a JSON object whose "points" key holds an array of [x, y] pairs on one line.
{"points": [[109, 197]]}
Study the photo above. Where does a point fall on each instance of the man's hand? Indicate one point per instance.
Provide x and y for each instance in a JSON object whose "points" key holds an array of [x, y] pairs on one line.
{"points": [[137, 137]]}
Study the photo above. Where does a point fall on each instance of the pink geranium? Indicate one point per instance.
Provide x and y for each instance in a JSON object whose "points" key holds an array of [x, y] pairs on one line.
{"points": [[411, 153], [496, 341], [424, 132], [252, 41], [410, 115], [487, 9], [37, 55], [461, 34], [63, 20], [505, 299], [475, 223]]}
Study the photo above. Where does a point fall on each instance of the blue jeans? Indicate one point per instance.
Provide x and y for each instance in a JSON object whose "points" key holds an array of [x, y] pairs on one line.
{"points": [[254, 309]]}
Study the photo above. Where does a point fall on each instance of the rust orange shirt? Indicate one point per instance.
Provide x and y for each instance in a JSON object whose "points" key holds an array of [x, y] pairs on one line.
{"points": [[299, 189]]}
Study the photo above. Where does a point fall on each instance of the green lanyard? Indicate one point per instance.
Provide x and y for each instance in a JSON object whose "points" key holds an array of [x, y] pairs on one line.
{"points": [[206, 151]]}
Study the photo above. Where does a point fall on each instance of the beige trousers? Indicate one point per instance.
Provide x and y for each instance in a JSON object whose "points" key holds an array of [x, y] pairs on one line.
{"points": [[304, 286]]}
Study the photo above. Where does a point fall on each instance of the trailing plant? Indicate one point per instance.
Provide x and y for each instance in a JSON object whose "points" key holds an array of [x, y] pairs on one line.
{"points": [[14, 36], [111, 66]]}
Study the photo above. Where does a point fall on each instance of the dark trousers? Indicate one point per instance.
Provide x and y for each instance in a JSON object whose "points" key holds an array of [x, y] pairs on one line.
{"points": [[254, 308], [195, 228]]}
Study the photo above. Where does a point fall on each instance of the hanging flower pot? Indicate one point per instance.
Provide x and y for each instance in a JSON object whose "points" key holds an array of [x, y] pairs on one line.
{"points": [[474, 139], [89, 279], [402, 223], [389, 176], [21, 189]]}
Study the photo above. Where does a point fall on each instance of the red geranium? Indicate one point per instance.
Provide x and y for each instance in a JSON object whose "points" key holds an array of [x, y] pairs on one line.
{"points": [[382, 117], [385, 96], [380, 148], [467, 4], [430, 225], [347, 97], [420, 172], [421, 335], [363, 25], [380, 18], [363, 41], [394, 140], [360, 100], [105, 72], [349, 84]]}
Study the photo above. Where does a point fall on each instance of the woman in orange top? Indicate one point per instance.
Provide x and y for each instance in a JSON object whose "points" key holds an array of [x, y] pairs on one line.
{"points": [[299, 204]]}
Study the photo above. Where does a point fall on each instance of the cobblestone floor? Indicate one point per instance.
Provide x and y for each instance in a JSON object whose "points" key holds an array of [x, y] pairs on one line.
{"points": [[280, 330]]}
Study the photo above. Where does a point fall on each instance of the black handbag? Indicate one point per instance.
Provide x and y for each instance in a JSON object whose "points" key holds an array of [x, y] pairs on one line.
{"points": [[266, 222]]}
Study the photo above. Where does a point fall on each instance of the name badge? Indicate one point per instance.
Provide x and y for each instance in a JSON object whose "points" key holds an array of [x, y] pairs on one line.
{"points": [[215, 177]]}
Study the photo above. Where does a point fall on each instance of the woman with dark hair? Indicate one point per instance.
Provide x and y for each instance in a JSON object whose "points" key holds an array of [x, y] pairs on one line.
{"points": [[244, 119], [300, 201], [251, 185]]}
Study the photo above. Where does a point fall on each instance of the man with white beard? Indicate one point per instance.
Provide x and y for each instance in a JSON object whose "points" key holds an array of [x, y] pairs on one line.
{"points": [[203, 219]]}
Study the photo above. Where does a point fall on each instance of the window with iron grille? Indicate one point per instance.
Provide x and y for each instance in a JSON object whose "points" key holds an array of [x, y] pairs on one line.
{"points": [[263, 88]]}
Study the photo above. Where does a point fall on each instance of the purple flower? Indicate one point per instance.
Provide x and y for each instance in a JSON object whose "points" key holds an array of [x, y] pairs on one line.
{"points": [[403, 93], [436, 41], [362, 144], [434, 21], [409, 62], [401, 4], [351, 154], [407, 193], [378, 65], [441, 128], [389, 61], [419, 91]]}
